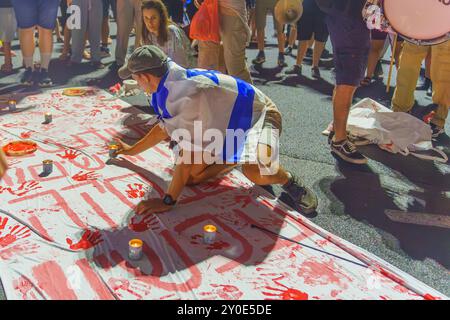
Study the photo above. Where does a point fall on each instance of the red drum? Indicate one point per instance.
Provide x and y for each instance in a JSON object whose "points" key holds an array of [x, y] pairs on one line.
{"points": [[422, 22]]}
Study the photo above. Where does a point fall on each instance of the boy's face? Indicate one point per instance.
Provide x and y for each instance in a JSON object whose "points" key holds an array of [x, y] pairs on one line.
{"points": [[148, 83]]}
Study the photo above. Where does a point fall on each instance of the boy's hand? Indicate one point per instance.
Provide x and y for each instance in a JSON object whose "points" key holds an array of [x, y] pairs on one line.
{"points": [[124, 148], [155, 205]]}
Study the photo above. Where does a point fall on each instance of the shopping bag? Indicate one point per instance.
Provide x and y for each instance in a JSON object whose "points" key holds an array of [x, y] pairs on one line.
{"points": [[205, 23]]}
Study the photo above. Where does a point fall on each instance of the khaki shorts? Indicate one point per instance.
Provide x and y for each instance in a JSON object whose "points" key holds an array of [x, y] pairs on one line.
{"points": [[272, 126], [261, 9]]}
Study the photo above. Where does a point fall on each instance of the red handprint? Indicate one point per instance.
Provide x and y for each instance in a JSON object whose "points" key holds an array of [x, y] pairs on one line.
{"points": [[24, 286], [149, 221], [137, 192], [3, 222], [84, 176], [272, 222], [285, 293], [216, 245], [24, 188], [26, 134], [69, 154], [88, 240], [15, 233], [117, 284], [22, 250], [93, 113], [225, 292]]}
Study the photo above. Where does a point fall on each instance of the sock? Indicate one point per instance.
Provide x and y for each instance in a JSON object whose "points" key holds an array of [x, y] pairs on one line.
{"points": [[28, 61], [45, 60]]}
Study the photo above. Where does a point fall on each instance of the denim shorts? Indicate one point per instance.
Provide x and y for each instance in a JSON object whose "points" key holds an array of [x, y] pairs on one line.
{"points": [[30, 13], [350, 39]]}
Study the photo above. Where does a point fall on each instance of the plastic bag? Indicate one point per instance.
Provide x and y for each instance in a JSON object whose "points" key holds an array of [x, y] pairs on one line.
{"points": [[395, 132], [205, 23]]}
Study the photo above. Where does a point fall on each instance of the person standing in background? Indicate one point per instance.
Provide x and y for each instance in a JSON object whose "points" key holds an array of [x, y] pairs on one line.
{"points": [[31, 14], [261, 9], [235, 35], [350, 39], [8, 27], [129, 15], [408, 73], [90, 11]]}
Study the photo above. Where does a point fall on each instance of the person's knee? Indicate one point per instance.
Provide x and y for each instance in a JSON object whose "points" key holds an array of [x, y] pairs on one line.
{"points": [[253, 173]]}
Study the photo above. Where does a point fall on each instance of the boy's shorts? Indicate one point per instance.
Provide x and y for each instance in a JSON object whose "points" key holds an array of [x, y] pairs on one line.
{"points": [[8, 24], [351, 45], [30, 13]]}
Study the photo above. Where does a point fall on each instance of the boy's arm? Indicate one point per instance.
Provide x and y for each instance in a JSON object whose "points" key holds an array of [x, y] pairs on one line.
{"points": [[3, 164], [151, 139]]}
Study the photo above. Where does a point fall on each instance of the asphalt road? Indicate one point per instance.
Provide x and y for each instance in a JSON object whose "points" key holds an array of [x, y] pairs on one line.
{"points": [[353, 199]]}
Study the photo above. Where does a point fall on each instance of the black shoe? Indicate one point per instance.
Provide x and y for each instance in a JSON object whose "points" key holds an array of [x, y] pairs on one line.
{"points": [[326, 54], [305, 200], [281, 62], [436, 130], [104, 52], [288, 50], [347, 152], [296, 70], [97, 65], [378, 70], [43, 79], [260, 58], [28, 77], [315, 72], [430, 89]]}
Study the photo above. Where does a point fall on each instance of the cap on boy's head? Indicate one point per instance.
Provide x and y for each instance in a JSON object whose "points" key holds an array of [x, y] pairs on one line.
{"points": [[148, 59]]}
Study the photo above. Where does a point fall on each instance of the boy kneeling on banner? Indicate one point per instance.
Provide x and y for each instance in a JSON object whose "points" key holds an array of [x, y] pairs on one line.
{"points": [[217, 121]]}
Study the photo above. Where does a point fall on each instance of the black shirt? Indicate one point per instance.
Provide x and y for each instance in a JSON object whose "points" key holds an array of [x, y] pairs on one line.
{"points": [[350, 8], [5, 4]]}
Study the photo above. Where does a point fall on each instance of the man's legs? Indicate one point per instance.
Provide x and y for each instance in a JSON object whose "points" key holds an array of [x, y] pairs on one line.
{"points": [[440, 76], [234, 37], [94, 30], [408, 73], [351, 44], [78, 35], [137, 23], [124, 26]]}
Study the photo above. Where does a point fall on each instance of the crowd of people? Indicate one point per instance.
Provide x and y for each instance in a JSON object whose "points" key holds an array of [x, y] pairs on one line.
{"points": [[164, 24]]}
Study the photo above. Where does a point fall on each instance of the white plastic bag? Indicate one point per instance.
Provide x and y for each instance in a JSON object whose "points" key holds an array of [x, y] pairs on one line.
{"points": [[396, 132]]}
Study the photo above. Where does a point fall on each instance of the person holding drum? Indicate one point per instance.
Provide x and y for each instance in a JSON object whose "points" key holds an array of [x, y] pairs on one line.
{"points": [[350, 39], [408, 74]]}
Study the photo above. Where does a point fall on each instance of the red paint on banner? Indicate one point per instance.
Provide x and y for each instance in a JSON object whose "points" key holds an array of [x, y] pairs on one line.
{"points": [[139, 224], [25, 287], [94, 280], [69, 154], [84, 176], [321, 273], [51, 279], [284, 292], [99, 211], [88, 240], [135, 191], [15, 233]]}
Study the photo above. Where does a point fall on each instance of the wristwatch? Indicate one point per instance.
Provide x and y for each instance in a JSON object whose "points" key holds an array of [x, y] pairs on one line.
{"points": [[168, 200]]}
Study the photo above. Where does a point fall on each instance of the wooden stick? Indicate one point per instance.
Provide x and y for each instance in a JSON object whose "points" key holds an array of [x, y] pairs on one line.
{"points": [[392, 63]]}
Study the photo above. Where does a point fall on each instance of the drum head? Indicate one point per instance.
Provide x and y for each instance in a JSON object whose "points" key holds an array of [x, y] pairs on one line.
{"points": [[419, 19]]}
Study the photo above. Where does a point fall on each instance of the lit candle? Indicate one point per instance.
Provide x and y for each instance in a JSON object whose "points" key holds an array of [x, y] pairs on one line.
{"points": [[12, 105], [113, 148], [48, 117], [209, 233], [135, 249], [47, 166]]}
